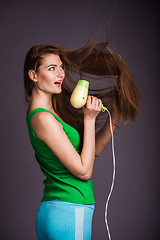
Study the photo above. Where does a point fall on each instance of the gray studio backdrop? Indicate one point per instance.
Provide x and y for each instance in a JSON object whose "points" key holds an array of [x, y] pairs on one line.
{"points": [[133, 29]]}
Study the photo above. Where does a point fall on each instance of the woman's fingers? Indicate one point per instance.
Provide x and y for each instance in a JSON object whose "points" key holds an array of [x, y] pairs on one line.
{"points": [[93, 106], [94, 103], [99, 104]]}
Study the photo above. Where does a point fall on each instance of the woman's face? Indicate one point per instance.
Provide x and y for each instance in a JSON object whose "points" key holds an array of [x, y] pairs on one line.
{"points": [[50, 74]]}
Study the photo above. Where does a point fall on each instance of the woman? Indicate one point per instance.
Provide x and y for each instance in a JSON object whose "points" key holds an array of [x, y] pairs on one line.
{"points": [[65, 140]]}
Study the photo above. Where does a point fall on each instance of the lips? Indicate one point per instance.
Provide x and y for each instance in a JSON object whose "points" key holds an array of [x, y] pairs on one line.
{"points": [[58, 83]]}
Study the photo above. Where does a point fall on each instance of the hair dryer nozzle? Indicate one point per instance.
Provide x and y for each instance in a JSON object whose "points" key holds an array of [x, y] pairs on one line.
{"points": [[83, 83]]}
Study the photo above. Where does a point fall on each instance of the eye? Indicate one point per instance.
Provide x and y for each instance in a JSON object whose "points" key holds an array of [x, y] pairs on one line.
{"points": [[62, 67], [52, 68]]}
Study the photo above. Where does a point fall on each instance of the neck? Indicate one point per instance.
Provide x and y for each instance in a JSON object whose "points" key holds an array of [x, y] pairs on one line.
{"points": [[40, 99]]}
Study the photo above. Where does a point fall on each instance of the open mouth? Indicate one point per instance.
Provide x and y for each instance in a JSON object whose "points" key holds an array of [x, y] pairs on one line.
{"points": [[58, 83]]}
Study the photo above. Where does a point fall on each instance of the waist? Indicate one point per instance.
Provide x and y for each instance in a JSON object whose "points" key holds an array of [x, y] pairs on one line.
{"points": [[69, 189], [67, 204]]}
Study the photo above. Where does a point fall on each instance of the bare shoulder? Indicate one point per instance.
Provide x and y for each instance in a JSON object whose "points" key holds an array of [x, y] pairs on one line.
{"points": [[42, 116], [45, 121]]}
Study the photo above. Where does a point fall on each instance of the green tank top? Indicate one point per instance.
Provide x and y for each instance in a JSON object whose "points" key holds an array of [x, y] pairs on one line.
{"points": [[60, 182]]}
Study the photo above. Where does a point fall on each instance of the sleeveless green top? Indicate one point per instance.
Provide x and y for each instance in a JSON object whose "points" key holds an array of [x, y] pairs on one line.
{"points": [[60, 182]]}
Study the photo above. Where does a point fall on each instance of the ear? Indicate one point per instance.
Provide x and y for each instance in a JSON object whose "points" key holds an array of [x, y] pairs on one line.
{"points": [[32, 75]]}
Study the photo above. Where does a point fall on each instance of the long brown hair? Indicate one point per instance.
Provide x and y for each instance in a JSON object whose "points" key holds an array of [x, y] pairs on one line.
{"points": [[109, 77]]}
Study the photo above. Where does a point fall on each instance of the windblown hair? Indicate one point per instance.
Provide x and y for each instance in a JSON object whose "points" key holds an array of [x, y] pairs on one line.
{"points": [[96, 62]]}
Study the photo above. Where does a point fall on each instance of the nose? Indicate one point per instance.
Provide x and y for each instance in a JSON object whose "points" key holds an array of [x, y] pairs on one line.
{"points": [[60, 73]]}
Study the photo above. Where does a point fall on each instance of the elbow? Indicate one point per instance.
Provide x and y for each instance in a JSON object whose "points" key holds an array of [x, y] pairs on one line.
{"points": [[84, 170], [85, 176], [98, 152], [99, 149]]}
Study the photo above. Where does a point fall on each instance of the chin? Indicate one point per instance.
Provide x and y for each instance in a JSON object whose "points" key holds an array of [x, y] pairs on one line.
{"points": [[57, 92]]}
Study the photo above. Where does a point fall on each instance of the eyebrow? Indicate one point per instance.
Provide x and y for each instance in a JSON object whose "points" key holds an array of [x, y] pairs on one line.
{"points": [[54, 65]]}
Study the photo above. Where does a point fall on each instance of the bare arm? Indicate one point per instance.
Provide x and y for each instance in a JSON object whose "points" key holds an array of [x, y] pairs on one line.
{"points": [[49, 130], [104, 135]]}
